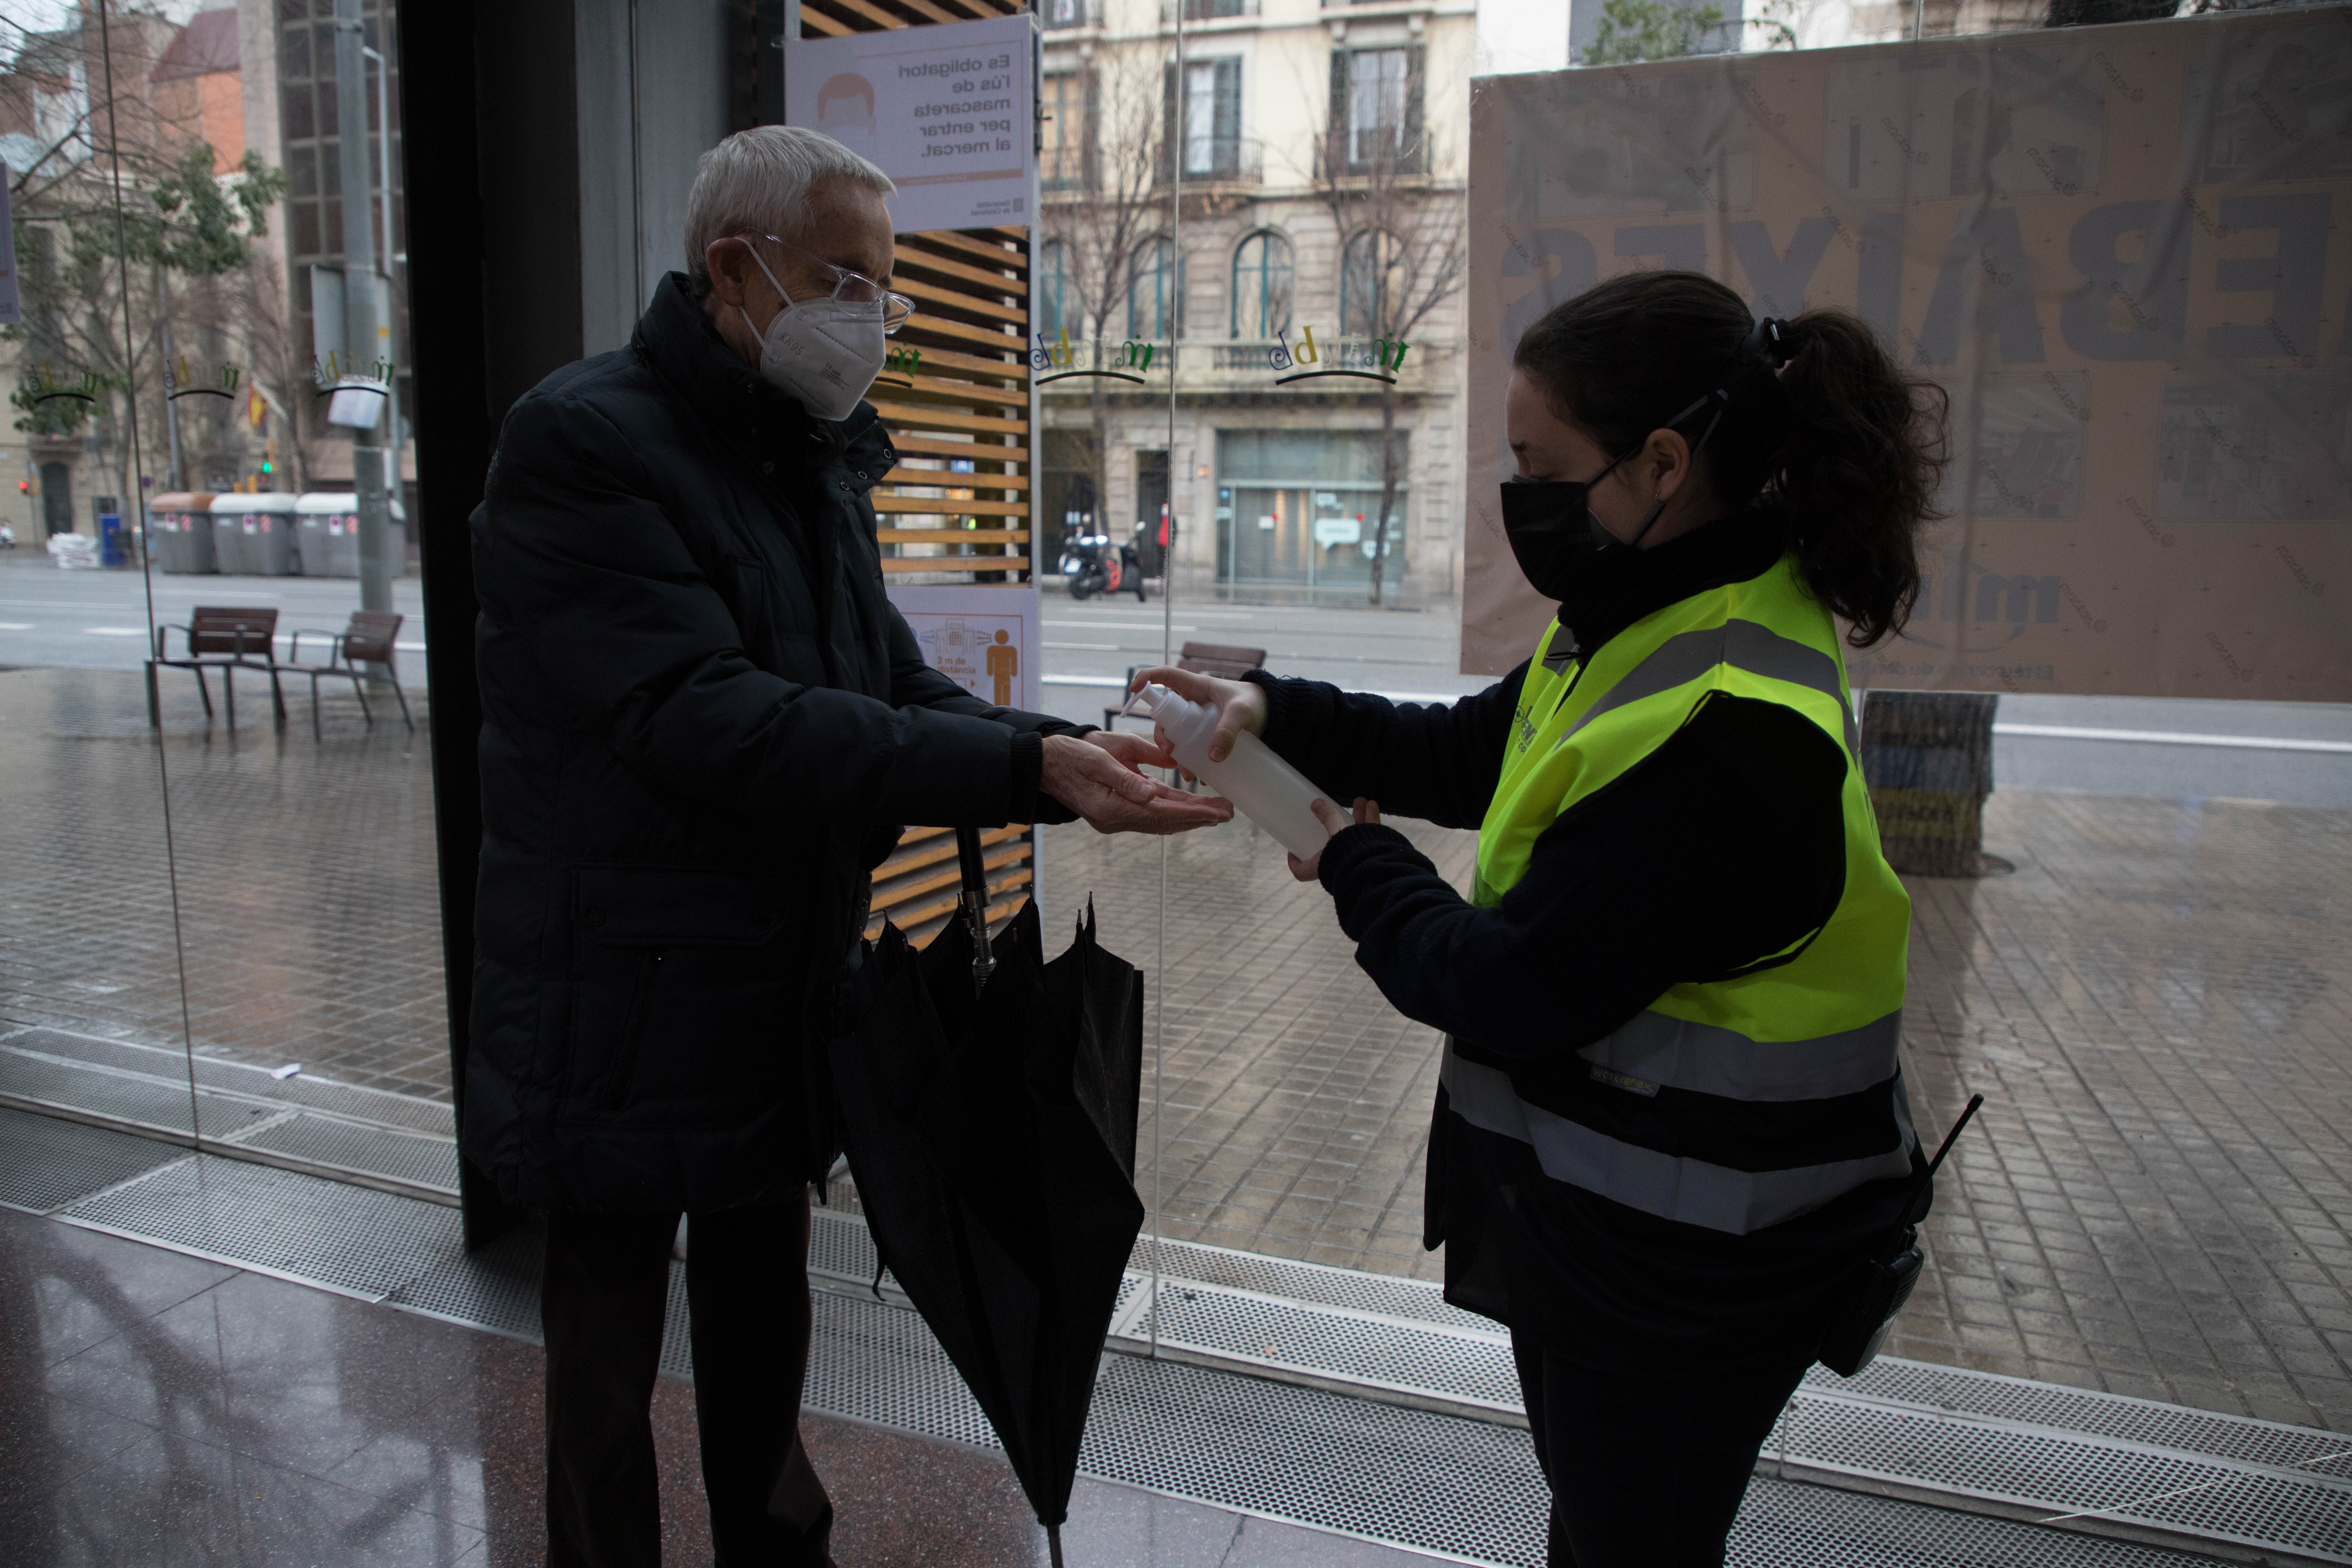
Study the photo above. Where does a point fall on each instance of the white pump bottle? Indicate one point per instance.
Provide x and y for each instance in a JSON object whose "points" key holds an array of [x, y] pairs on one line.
{"points": [[1262, 786]]}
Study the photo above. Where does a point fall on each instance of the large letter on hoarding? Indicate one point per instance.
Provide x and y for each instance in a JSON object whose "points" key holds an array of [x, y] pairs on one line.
{"points": [[2108, 246]]}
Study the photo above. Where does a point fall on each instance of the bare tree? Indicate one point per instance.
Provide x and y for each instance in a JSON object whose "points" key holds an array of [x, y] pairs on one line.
{"points": [[1401, 254], [124, 231], [1105, 218]]}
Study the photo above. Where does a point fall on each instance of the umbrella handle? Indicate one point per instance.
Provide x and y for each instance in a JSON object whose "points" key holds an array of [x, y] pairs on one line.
{"points": [[1054, 1543], [975, 904]]}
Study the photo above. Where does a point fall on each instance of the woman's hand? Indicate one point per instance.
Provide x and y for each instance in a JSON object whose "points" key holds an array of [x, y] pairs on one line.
{"points": [[1240, 704], [1334, 819]]}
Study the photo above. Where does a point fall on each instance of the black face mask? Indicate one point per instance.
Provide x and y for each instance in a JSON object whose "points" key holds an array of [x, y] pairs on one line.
{"points": [[1553, 532], [1550, 523]]}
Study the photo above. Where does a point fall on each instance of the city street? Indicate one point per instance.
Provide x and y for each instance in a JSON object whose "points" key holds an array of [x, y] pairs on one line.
{"points": [[2295, 753]]}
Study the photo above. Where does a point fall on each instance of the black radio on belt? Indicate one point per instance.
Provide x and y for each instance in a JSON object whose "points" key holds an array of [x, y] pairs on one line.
{"points": [[1884, 1283]]}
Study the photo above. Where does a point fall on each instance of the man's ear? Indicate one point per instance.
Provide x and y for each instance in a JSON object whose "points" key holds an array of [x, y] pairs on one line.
{"points": [[727, 261]]}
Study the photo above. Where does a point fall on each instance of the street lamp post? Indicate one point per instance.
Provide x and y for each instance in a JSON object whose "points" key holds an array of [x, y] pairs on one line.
{"points": [[363, 337]]}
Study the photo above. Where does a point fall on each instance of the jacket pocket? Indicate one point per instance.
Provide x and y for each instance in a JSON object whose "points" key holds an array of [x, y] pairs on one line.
{"points": [[683, 992]]}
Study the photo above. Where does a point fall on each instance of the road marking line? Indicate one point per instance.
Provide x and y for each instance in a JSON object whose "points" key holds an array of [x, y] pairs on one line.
{"points": [[2171, 738], [15, 626], [114, 631]]}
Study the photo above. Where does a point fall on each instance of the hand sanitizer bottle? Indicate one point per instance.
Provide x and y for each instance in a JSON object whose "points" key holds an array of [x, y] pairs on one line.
{"points": [[1262, 786]]}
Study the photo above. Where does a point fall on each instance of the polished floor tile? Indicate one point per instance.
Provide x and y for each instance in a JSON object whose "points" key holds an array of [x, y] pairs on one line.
{"points": [[155, 1409]]}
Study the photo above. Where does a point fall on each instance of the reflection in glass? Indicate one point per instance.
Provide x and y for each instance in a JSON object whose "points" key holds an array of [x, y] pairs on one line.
{"points": [[1262, 276], [1155, 308]]}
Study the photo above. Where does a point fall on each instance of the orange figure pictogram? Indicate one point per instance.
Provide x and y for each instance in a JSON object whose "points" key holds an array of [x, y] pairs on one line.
{"points": [[1003, 663]]}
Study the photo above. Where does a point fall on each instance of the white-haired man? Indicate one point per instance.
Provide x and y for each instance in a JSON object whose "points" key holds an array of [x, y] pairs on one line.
{"points": [[703, 725]]}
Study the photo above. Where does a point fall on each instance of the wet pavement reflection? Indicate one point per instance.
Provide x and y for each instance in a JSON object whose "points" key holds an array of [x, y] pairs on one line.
{"points": [[2155, 1003]]}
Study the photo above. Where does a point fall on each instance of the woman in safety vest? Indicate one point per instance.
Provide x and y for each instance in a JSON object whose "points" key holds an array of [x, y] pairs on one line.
{"points": [[1672, 1134]]}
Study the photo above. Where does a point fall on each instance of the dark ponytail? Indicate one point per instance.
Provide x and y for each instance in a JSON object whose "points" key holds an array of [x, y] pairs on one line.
{"points": [[1844, 448]]}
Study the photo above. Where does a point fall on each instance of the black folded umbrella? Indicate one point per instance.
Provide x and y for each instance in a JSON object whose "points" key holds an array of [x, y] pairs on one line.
{"points": [[988, 1100]]}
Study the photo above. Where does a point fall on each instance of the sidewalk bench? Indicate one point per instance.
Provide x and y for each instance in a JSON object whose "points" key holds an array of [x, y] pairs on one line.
{"points": [[226, 638]]}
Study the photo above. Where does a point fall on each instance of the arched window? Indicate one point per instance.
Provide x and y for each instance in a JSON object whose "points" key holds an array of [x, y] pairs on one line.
{"points": [[1371, 282], [1155, 293], [1262, 286], [1057, 294]]}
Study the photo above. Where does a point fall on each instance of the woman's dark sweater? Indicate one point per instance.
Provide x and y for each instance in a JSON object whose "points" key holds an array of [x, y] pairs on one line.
{"points": [[1724, 845]]}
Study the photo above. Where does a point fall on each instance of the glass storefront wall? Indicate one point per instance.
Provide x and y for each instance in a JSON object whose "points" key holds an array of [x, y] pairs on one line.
{"points": [[197, 902], [214, 693]]}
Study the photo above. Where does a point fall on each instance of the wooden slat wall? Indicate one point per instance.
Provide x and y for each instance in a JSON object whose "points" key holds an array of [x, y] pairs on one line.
{"points": [[967, 397]]}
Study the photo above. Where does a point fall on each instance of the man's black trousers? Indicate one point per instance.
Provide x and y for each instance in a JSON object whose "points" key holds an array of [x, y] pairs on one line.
{"points": [[1647, 1466], [601, 1299]]}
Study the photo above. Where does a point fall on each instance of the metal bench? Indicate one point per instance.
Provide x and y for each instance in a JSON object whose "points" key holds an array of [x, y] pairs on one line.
{"points": [[226, 638], [1200, 659], [368, 640]]}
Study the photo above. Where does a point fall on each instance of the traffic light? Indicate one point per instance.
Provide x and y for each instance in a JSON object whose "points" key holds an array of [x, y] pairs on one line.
{"points": [[23, 486]]}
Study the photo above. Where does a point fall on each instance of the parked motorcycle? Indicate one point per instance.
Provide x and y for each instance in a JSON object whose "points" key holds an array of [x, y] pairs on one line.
{"points": [[1090, 565]]}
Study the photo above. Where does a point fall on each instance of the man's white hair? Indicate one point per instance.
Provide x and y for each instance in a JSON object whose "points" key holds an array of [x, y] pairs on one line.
{"points": [[760, 179]]}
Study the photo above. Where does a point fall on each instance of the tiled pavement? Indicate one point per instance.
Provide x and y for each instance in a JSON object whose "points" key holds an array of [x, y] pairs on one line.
{"points": [[2157, 1004]]}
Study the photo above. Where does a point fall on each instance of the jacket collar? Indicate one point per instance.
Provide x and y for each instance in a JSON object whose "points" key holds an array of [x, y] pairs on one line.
{"points": [[1620, 587], [677, 341]]}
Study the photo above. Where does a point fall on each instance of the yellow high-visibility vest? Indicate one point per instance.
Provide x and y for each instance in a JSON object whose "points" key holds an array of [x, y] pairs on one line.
{"points": [[1821, 1019]]}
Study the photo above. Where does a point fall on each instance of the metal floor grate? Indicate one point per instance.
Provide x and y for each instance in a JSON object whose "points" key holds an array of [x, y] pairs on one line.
{"points": [[1386, 1295], [1319, 1341], [366, 1135], [352, 1239], [2054, 1472], [409, 1158], [129, 1098], [1989, 1394], [496, 1287], [169, 1062], [1329, 1459], [45, 1162]]}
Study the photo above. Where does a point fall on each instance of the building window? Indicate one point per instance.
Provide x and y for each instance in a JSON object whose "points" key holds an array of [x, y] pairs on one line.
{"points": [[1262, 286], [1212, 119], [1155, 309], [1057, 293], [1376, 109], [1063, 163], [1066, 12], [1371, 282]]}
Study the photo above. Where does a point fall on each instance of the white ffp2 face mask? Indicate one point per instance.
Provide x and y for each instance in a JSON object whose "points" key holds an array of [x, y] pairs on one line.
{"points": [[825, 352]]}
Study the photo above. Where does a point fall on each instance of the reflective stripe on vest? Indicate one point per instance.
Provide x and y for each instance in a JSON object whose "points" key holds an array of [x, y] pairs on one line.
{"points": [[1692, 1190], [1658, 1051], [1819, 1021], [1742, 644]]}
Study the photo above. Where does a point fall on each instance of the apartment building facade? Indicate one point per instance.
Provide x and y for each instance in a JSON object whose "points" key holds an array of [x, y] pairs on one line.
{"points": [[1258, 233]]}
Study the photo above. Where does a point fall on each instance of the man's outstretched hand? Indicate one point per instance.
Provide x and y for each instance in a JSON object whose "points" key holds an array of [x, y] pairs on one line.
{"points": [[1096, 776]]}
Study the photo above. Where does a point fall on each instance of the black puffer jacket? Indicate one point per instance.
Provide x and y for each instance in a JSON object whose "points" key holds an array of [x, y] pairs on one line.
{"points": [[703, 724]]}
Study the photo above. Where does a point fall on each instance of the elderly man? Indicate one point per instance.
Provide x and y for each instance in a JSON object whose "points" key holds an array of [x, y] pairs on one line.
{"points": [[703, 725]]}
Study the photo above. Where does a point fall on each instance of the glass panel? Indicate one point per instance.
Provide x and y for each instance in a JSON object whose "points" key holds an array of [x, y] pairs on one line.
{"points": [[91, 1003], [301, 804]]}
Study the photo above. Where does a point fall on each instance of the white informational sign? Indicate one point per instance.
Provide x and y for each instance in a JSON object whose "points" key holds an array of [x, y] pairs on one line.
{"points": [[984, 638], [1330, 530], [12, 312], [946, 112]]}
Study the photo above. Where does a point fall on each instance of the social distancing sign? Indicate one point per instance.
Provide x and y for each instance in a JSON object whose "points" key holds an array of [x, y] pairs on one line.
{"points": [[947, 113], [2123, 252]]}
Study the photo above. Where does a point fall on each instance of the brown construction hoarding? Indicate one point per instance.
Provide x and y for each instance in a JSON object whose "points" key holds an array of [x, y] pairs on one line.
{"points": [[2121, 250]]}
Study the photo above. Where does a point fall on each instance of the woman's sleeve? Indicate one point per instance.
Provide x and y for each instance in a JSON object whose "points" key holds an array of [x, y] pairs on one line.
{"points": [[1427, 760], [1724, 846]]}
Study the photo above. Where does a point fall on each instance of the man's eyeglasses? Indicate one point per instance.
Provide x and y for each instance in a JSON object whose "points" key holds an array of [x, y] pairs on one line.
{"points": [[856, 288]]}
